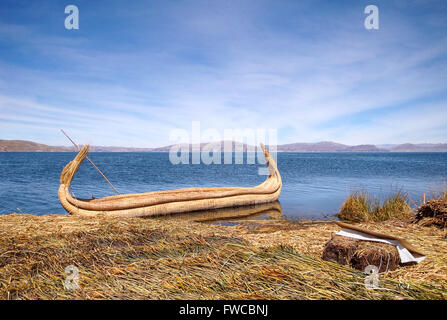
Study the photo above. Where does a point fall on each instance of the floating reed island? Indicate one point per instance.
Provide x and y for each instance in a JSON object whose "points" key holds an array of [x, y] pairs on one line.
{"points": [[135, 258]]}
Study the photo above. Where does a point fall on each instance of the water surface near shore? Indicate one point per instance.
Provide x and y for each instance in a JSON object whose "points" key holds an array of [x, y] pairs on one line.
{"points": [[314, 184]]}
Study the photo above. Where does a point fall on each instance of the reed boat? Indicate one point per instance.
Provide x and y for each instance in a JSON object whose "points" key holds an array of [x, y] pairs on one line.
{"points": [[157, 203]]}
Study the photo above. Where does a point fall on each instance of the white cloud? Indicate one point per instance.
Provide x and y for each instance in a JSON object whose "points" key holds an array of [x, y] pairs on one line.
{"points": [[240, 75]]}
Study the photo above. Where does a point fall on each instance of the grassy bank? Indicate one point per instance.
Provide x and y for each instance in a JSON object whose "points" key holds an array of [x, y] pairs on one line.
{"points": [[363, 207], [161, 259]]}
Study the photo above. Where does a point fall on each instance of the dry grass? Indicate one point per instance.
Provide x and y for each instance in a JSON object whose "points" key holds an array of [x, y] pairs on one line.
{"points": [[131, 258], [395, 206], [357, 207], [433, 212], [363, 207]]}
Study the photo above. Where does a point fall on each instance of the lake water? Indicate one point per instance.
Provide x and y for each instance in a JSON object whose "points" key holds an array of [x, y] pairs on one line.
{"points": [[314, 184]]}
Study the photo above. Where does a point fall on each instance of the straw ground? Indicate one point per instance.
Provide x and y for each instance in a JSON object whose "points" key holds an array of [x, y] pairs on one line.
{"points": [[132, 258]]}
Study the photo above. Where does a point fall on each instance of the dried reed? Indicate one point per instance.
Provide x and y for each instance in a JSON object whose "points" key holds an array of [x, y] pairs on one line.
{"points": [[132, 258], [363, 207]]}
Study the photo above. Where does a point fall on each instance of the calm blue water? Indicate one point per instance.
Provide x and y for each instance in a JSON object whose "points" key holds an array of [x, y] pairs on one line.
{"points": [[314, 184]]}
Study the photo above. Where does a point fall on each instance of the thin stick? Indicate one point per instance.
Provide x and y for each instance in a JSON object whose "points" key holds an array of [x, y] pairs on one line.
{"points": [[77, 147]]}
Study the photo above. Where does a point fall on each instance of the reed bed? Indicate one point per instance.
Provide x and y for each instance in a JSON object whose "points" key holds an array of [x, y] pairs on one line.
{"points": [[363, 207], [131, 258]]}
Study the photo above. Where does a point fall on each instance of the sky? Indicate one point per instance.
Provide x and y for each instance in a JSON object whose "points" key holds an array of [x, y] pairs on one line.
{"points": [[135, 70]]}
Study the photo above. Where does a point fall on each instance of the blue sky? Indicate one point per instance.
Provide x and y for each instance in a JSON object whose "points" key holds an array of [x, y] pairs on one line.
{"points": [[136, 70]]}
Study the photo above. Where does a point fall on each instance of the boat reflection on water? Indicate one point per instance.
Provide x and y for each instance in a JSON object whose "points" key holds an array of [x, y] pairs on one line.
{"points": [[267, 211]]}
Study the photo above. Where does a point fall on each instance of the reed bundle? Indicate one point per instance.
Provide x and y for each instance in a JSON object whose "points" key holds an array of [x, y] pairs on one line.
{"points": [[359, 254], [433, 212]]}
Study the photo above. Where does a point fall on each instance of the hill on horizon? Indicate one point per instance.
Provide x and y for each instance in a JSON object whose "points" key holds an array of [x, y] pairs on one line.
{"points": [[324, 146]]}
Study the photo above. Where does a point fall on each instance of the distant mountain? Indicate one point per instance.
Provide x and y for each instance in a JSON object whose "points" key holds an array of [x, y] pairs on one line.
{"points": [[235, 146], [118, 149], [325, 146], [23, 146], [423, 147], [29, 146], [365, 148]]}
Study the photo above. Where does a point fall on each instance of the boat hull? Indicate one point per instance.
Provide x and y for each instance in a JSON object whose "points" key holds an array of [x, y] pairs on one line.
{"points": [[170, 201]]}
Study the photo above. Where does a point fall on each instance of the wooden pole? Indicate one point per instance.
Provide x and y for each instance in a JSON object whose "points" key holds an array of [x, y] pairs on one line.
{"points": [[77, 147]]}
